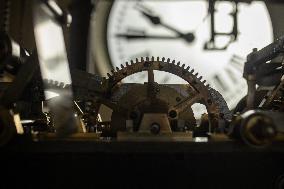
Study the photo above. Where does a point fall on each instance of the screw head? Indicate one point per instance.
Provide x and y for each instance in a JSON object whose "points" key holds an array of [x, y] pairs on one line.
{"points": [[173, 114], [155, 128]]}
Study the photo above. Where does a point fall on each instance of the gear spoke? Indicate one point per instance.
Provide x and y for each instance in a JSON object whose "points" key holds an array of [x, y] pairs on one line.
{"points": [[151, 92], [182, 106]]}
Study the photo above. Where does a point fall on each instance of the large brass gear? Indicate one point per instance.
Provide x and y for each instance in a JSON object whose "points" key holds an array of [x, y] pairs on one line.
{"points": [[173, 100], [199, 93]]}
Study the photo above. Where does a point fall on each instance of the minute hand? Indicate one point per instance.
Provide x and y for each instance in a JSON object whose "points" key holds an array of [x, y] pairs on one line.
{"points": [[143, 36], [188, 37]]}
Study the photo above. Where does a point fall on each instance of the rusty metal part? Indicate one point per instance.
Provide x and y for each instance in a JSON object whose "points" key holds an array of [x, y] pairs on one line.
{"points": [[251, 83], [150, 100], [275, 100], [155, 123], [86, 86], [258, 71], [202, 129], [258, 130], [255, 128], [23, 78]]}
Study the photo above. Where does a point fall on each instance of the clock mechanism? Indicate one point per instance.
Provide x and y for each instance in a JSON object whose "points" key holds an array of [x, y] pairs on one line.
{"points": [[70, 104], [149, 108], [168, 106], [215, 34], [144, 94]]}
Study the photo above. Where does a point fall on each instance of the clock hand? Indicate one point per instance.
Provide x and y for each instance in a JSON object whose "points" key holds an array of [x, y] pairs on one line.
{"points": [[143, 36], [188, 37]]}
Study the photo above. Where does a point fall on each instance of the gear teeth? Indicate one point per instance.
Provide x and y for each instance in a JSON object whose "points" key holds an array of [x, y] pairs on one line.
{"points": [[55, 84], [124, 73], [147, 63]]}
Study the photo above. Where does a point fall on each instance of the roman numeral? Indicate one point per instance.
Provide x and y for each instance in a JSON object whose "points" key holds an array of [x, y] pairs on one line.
{"points": [[220, 83], [237, 62], [232, 75]]}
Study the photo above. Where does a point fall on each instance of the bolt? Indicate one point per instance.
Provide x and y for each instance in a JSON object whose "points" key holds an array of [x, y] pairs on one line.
{"points": [[269, 132], [155, 128], [178, 99], [209, 101], [173, 114], [146, 64]]}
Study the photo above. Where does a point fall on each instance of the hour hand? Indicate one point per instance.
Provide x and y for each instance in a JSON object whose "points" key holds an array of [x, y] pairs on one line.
{"points": [[156, 20]]}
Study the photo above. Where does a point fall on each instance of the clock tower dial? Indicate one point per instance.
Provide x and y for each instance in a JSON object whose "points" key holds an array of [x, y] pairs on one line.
{"points": [[179, 30]]}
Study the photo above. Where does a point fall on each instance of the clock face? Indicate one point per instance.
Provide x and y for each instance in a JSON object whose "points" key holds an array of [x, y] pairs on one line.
{"points": [[221, 68]]}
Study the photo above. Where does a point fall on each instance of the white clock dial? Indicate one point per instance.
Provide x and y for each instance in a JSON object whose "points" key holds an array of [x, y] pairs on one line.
{"points": [[221, 68]]}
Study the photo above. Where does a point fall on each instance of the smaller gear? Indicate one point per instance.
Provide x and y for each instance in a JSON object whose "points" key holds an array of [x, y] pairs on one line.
{"points": [[51, 84]]}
